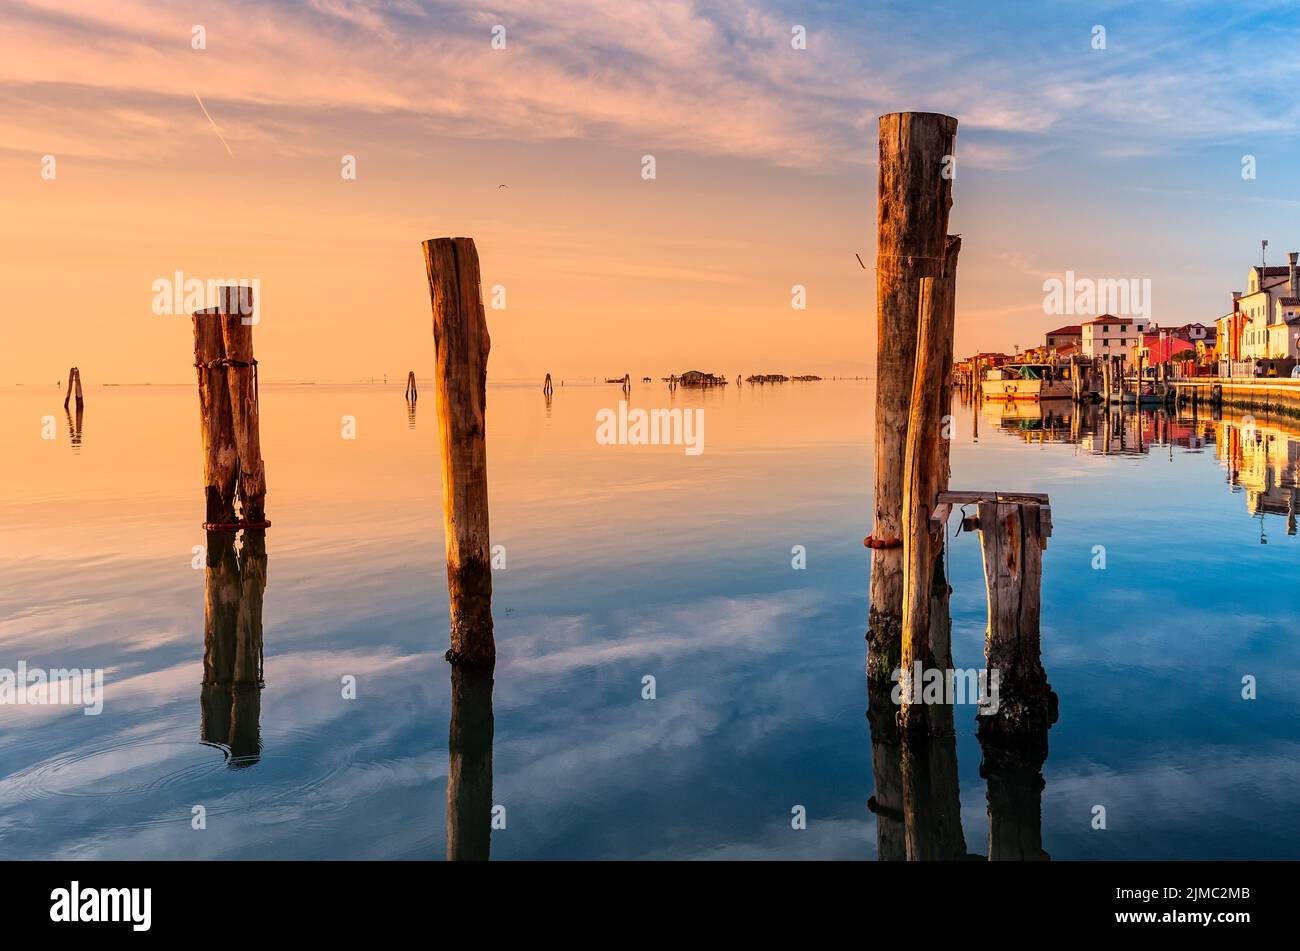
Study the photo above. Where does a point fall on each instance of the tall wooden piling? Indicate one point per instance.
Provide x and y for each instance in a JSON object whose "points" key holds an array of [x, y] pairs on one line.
{"points": [[461, 346], [547, 387], [946, 297], [924, 472], [229, 414], [220, 455], [913, 200], [412, 392], [237, 335]]}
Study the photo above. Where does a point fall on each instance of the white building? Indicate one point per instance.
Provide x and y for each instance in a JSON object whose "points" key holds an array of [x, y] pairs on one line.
{"points": [[1106, 335], [1270, 307]]}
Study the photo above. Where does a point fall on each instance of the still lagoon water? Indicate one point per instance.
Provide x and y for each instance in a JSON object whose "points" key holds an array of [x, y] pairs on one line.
{"points": [[624, 562]]}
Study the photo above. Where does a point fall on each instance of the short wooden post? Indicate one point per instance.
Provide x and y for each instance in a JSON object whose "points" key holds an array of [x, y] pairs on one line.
{"points": [[469, 768], [412, 393], [80, 401], [913, 200], [461, 346], [548, 388], [1012, 537], [72, 372], [237, 334], [220, 455]]}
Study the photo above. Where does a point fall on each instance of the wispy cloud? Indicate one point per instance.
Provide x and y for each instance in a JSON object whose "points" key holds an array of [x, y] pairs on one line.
{"points": [[715, 77]]}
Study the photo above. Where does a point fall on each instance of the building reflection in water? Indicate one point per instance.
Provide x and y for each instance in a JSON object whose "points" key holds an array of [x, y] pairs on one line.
{"points": [[230, 699], [1260, 452]]}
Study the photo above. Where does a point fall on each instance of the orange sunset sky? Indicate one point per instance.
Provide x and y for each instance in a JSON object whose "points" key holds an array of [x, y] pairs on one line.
{"points": [[1123, 162]]}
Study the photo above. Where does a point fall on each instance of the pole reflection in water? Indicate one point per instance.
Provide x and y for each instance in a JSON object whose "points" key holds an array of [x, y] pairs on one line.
{"points": [[230, 699], [469, 769], [410, 413], [74, 426], [1014, 773], [917, 800]]}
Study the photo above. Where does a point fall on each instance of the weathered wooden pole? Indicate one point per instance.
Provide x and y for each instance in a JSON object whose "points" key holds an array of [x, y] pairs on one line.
{"points": [[220, 454], [461, 345], [925, 473], [548, 388], [946, 296], [913, 198], [80, 401], [412, 394], [469, 767], [237, 334], [918, 458], [72, 372], [1013, 536]]}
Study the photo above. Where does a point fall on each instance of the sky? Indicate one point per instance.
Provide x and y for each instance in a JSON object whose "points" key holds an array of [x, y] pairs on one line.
{"points": [[226, 161]]}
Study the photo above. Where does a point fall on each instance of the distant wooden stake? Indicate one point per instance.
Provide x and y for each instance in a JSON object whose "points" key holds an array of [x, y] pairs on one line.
{"points": [[412, 393], [220, 456], [236, 305], [80, 401], [461, 345], [72, 372], [914, 197]]}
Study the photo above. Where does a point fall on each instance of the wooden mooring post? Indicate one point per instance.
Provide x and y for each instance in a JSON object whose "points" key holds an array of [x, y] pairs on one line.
{"points": [[547, 387], [926, 462], [229, 413], [1014, 528], [74, 380], [913, 201], [461, 345], [237, 335], [412, 392]]}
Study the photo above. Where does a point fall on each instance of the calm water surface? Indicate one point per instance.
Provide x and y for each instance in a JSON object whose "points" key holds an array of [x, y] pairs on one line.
{"points": [[623, 562]]}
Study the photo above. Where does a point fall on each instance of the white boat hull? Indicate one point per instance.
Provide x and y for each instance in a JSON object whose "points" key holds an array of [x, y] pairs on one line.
{"points": [[1016, 389]]}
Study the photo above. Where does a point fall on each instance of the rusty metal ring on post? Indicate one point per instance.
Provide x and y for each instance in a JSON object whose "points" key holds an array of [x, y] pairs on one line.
{"points": [[878, 544]]}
